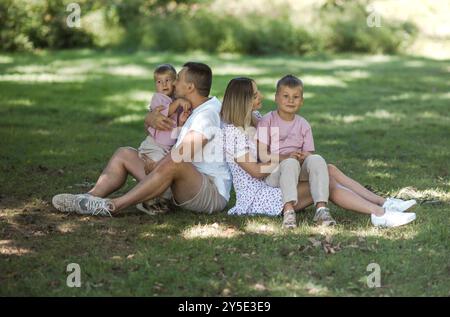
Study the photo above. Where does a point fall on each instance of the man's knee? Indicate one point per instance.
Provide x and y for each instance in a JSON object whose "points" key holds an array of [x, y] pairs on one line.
{"points": [[125, 152], [167, 165]]}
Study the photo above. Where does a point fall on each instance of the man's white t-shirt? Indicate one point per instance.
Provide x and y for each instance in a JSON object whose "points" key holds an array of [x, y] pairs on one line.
{"points": [[205, 119]]}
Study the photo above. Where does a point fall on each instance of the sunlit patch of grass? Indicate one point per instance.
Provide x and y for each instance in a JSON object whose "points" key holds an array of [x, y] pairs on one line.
{"points": [[214, 230]]}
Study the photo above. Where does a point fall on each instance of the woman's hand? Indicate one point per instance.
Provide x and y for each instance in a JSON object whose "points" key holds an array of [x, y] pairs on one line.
{"points": [[158, 121]]}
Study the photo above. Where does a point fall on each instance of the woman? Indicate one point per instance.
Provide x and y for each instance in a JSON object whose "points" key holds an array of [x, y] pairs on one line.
{"points": [[254, 196]]}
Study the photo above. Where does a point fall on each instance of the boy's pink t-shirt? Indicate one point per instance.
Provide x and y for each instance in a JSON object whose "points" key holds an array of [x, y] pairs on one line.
{"points": [[163, 137], [284, 137]]}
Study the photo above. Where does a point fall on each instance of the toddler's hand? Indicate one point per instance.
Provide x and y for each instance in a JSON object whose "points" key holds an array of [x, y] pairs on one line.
{"points": [[149, 164], [186, 105], [183, 117]]}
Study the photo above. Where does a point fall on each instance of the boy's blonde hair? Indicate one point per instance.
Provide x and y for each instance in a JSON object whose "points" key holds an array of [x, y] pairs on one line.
{"points": [[290, 81], [237, 102], [164, 69]]}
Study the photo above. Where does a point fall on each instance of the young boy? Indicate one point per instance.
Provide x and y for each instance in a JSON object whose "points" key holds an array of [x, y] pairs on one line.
{"points": [[284, 135], [158, 143]]}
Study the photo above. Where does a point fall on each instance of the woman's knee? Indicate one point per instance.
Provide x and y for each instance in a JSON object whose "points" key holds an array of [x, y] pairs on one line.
{"points": [[332, 170]]}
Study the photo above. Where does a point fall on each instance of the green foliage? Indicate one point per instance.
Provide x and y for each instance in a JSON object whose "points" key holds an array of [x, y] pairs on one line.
{"points": [[347, 29], [39, 24], [186, 25]]}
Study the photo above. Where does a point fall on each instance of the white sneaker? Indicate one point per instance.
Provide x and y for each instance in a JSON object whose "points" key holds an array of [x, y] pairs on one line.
{"points": [[392, 219], [398, 205]]}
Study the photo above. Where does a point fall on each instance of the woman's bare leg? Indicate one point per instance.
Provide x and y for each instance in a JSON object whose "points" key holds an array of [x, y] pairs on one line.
{"points": [[354, 186], [348, 199], [123, 162], [341, 196], [304, 196]]}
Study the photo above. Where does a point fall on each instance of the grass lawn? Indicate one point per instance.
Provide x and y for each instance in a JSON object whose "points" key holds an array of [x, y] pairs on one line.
{"points": [[384, 120]]}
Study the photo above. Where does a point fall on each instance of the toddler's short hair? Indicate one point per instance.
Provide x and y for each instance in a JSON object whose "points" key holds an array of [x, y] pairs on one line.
{"points": [[290, 81], [164, 69]]}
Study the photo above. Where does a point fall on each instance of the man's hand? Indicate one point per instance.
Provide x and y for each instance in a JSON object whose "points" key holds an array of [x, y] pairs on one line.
{"points": [[158, 121]]}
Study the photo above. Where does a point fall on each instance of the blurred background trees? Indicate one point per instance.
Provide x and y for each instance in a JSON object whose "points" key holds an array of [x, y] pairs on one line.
{"points": [[256, 27]]}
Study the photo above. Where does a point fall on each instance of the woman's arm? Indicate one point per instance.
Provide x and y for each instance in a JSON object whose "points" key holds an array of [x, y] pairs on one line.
{"points": [[265, 156], [257, 170]]}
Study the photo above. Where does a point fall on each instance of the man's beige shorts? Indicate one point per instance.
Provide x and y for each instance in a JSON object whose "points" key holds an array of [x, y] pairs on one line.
{"points": [[208, 200]]}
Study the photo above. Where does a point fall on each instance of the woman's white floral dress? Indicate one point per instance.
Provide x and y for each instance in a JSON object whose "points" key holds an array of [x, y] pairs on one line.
{"points": [[253, 196]]}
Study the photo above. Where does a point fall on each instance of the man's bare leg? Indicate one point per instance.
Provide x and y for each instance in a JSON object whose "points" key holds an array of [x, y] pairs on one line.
{"points": [[123, 162], [183, 178], [354, 186]]}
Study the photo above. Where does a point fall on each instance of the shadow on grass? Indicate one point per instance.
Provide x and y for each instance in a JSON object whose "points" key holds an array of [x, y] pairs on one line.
{"points": [[382, 119]]}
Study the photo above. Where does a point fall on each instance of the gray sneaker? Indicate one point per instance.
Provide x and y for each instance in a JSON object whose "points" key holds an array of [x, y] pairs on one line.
{"points": [[84, 204], [95, 206], [66, 202], [323, 217], [289, 220]]}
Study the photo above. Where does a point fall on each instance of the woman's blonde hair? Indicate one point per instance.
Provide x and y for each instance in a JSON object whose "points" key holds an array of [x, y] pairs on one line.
{"points": [[237, 102]]}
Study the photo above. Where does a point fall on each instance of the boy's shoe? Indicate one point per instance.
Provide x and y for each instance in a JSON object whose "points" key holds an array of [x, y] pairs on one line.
{"points": [[154, 206], [289, 219], [66, 202], [83, 204], [398, 205], [323, 217], [392, 219]]}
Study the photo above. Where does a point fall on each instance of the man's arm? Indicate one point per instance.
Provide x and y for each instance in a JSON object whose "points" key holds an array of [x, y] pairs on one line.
{"points": [[193, 142], [158, 121]]}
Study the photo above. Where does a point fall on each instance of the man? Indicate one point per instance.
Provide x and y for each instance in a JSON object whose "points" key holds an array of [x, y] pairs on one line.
{"points": [[201, 185]]}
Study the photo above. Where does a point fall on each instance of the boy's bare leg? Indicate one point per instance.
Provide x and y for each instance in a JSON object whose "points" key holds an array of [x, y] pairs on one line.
{"points": [[354, 186], [123, 162], [184, 179]]}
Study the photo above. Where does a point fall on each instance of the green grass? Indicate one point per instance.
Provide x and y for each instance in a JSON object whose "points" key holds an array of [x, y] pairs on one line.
{"points": [[384, 120]]}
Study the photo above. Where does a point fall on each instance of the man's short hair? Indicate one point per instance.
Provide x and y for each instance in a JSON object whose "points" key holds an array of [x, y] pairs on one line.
{"points": [[201, 76], [164, 69], [290, 81]]}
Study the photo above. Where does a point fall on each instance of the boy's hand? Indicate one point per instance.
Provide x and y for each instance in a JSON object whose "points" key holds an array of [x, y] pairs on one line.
{"points": [[149, 164], [300, 156]]}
